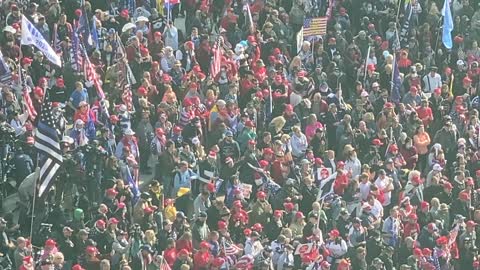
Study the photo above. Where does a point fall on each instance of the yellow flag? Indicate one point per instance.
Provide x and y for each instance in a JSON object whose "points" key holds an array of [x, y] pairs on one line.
{"points": [[451, 85]]}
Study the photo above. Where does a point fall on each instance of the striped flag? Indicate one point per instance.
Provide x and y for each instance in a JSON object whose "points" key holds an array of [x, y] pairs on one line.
{"points": [[315, 26], [32, 113], [245, 262], [76, 51], [231, 249], [91, 75], [396, 82], [48, 146], [216, 60], [126, 77], [405, 31]]}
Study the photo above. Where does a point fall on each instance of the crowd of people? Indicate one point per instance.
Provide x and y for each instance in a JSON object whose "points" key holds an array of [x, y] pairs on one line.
{"points": [[213, 135]]}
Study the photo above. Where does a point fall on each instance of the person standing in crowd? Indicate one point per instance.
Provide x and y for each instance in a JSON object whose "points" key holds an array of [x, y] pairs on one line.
{"points": [[306, 135]]}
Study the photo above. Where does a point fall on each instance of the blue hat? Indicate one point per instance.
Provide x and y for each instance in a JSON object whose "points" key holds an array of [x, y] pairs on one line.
{"points": [[229, 133], [111, 31]]}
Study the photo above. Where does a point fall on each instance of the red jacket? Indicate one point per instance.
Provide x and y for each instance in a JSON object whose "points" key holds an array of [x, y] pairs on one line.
{"points": [[340, 184]]}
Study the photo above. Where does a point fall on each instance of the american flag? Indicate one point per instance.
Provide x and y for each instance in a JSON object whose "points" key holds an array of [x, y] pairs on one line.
{"points": [[32, 113], [315, 26], [91, 75], [216, 60], [126, 77], [245, 262], [230, 249], [76, 51], [48, 146]]}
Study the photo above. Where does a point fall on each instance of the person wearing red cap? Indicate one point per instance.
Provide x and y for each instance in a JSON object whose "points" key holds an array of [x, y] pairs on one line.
{"points": [[336, 246], [203, 257], [261, 209], [446, 195], [50, 248], [411, 228], [58, 92], [91, 258], [461, 205], [275, 225], [413, 96]]}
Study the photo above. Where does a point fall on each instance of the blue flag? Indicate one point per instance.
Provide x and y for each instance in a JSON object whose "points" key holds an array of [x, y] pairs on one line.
{"points": [[396, 82], [447, 25], [95, 33], [132, 184], [84, 30]]}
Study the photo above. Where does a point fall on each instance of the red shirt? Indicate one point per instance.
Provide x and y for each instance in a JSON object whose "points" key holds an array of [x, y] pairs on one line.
{"points": [[340, 184], [201, 260], [425, 113], [184, 244], [170, 256], [409, 229]]}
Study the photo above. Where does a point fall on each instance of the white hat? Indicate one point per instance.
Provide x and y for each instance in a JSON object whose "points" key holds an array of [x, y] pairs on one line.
{"points": [[79, 122], [10, 29], [141, 19], [67, 139], [123, 108], [364, 94], [437, 167], [195, 140], [129, 131]]}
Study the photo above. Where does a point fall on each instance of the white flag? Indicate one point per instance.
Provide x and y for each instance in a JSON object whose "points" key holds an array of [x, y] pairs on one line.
{"points": [[31, 36]]}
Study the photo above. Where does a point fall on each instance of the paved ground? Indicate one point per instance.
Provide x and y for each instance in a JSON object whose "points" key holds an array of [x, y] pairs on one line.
{"points": [[10, 203]]}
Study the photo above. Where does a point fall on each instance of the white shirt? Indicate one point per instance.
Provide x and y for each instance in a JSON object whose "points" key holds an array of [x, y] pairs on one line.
{"points": [[355, 166], [431, 83], [299, 144], [252, 247], [364, 190], [377, 209], [385, 184]]}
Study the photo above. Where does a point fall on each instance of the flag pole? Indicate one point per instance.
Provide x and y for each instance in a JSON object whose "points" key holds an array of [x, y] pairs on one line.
{"points": [[365, 67], [225, 252], [22, 82]]}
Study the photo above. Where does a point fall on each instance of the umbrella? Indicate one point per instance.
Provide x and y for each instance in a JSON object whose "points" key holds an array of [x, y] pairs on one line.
{"points": [[128, 26]]}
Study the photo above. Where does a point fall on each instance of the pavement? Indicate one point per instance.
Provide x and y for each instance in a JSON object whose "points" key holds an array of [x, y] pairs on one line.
{"points": [[10, 203]]}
